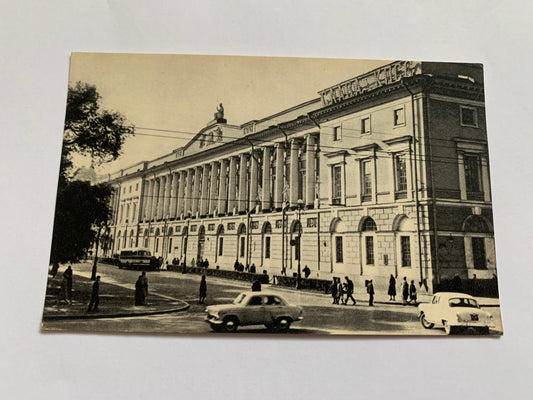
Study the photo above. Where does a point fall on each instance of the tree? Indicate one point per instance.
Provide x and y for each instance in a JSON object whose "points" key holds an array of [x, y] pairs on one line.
{"points": [[82, 208]]}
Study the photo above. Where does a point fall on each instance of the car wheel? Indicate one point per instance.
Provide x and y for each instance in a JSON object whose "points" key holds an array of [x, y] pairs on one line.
{"points": [[283, 324], [425, 323], [448, 328], [230, 324], [270, 326], [216, 327]]}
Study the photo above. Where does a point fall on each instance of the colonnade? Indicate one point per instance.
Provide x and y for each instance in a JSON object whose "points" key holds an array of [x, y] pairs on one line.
{"points": [[236, 184]]}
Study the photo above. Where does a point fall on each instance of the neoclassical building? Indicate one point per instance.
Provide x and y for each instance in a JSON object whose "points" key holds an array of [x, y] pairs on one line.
{"points": [[386, 173]]}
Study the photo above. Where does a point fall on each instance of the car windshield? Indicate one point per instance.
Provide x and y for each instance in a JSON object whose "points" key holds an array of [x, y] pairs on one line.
{"points": [[239, 298], [462, 302]]}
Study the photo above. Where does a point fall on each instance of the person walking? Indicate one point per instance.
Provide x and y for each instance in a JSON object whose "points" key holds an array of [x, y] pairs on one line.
{"points": [[405, 291], [95, 296], [62, 294], [203, 291], [412, 292], [333, 289], [340, 292], [392, 288], [145, 285], [139, 292], [370, 291], [349, 290], [68, 275]]}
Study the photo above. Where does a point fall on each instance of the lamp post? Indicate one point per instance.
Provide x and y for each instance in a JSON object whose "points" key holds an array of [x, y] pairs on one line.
{"points": [[185, 244], [299, 276]]}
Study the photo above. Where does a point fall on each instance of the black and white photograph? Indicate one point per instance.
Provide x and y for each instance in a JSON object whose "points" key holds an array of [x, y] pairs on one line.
{"points": [[270, 195]]}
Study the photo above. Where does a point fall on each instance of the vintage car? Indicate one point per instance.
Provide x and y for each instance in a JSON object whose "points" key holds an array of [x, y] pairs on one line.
{"points": [[455, 312], [254, 308]]}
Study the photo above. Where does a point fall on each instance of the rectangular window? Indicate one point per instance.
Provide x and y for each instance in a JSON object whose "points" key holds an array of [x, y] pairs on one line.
{"points": [[401, 175], [472, 167], [169, 245], [369, 246], [241, 254], [405, 243], [366, 179], [220, 246], [337, 133], [130, 189], [478, 252], [338, 249], [365, 125], [267, 247], [156, 245], [337, 185], [136, 186], [296, 248], [468, 116], [399, 117]]}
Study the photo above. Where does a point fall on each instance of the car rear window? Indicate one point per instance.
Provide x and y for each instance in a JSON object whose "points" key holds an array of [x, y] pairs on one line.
{"points": [[462, 302]]}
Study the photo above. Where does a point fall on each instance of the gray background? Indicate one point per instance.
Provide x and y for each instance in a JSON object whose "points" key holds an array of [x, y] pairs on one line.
{"points": [[36, 39]]}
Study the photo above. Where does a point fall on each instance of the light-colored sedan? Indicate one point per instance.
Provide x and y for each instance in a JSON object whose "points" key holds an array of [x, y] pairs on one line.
{"points": [[254, 308], [455, 311]]}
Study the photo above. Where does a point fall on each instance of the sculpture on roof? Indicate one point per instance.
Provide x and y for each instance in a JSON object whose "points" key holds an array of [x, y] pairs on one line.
{"points": [[220, 112]]}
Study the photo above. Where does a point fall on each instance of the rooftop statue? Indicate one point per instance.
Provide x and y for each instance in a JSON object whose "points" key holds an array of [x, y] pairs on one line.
{"points": [[220, 112]]}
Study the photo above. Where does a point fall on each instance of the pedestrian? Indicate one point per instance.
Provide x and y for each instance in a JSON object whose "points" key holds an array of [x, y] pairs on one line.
{"points": [[62, 294], [236, 265], [349, 290], [206, 263], [307, 271], [392, 288], [405, 291], [203, 291], [256, 286], [252, 269], [412, 292], [370, 291], [340, 292], [333, 289], [95, 296], [193, 264], [474, 285], [145, 285], [139, 292], [68, 275]]}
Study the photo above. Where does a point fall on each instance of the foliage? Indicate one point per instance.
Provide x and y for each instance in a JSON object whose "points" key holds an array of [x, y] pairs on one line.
{"points": [[82, 208]]}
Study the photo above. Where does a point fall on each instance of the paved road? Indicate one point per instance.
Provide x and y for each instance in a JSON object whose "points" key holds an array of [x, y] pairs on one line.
{"points": [[320, 317]]}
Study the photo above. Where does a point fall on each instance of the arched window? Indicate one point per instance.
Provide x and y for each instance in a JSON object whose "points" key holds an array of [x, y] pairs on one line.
{"points": [[241, 235], [368, 228], [267, 232], [220, 242]]}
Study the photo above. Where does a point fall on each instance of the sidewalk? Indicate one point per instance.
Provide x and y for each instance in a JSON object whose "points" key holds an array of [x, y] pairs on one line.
{"points": [[116, 300]]}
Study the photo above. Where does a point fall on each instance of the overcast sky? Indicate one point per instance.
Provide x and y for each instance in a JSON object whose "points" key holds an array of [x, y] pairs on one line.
{"points": [[181, 92]]}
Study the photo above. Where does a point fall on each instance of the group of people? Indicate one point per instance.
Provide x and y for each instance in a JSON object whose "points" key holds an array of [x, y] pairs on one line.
{"points": [[342, 292], [409, 292], [239, 267]]}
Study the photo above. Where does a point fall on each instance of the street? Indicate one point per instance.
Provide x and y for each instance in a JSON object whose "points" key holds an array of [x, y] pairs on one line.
{"points": [[320, 316]]}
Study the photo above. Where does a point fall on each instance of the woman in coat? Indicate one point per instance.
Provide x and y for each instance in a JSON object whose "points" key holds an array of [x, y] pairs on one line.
{"points": [[412, 292], [203, 290], [392, 288]]}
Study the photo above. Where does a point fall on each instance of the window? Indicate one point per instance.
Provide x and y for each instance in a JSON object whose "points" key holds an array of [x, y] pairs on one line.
{"points": [[133, 213], [136, 186], [478, 251], [366, 179], [338, 249], [401, 176], [337, 133], [267, 247], [297, 248], [369, 246], [337, 185], [169, 245], [130, 189], [365, 125], [405, 244], [220, 246], [468, 116], [472, 167], [399, 117], [156, 245], [241, 252]]}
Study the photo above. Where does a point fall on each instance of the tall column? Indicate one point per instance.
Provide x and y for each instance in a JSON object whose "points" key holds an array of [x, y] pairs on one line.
{"points": [[243, 184], [222, 189], [161, 199], [188, 193], [232, 183], [196, 191], [278, 192], [213, 195], [174, 195], [153, 210], [294, 171], [253, 181], [166, 203], [148, 199], [310, 172], [266, 180], [181, 194], [204, 201]]}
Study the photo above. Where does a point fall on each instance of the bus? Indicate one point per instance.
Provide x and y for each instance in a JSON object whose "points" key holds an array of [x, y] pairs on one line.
{"points": [[136, 258]]}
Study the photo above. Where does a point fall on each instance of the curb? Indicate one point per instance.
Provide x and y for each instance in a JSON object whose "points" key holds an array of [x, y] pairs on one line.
{"points": [[124, 315]]}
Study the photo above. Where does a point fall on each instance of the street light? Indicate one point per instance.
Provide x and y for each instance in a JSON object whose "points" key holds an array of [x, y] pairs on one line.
{"points": [[186, 240], [299, 276]]}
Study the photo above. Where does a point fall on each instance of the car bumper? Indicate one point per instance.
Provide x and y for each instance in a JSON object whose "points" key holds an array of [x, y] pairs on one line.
{"points": [[212, 320]]}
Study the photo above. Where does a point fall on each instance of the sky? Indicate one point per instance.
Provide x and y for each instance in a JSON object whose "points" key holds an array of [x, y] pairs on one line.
{"points": [[181, 92]]}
